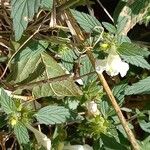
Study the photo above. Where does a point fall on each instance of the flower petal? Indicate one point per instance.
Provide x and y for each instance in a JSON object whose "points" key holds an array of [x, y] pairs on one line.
{"points": [[100, 65], [123, 69]]}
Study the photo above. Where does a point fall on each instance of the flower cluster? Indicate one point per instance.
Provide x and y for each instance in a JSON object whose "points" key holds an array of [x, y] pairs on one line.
{"points": [[113, 65]]}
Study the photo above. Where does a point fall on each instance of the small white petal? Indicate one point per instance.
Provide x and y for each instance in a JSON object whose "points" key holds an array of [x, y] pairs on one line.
{"points": [[79, 81], [92, 108], [123, 69], [100, 65], [113, 65]]}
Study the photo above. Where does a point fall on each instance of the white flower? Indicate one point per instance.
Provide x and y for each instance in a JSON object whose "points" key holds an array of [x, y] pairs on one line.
{"points": [[92, 108], [113, 65], [77, 147]]}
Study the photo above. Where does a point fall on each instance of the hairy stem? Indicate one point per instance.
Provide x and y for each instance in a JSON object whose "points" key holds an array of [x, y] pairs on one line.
{"points": [[104, 83], [115, 104]]}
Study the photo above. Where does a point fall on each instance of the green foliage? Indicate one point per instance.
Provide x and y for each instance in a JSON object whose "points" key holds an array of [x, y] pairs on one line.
{"points": [[68, 57], [87, 22], [128, 14], [119, 92], [109, 27], [110, 143], [134, 55], [21, 133], [6, 102], [52, 115], [145, 144], [85, 68], [50, 80], [141, 87], [47, 4], [23, 12], [143, 120], [59, 88], [42, 66], [94, 127]]}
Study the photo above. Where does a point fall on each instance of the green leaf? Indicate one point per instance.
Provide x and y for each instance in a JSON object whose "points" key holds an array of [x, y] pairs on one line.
{"points": [[22, 12], [27, 61], [3, 121], [141, 87], [52, 115], [6, 102], [109, 27], [47, 4], [21, 133], [145, 144], [110, 143], [68, 56], [122, 38], [59, 88], [131, 13], [144, 125], [33, 64], [134, 55], [138, 61], [119, 92], [86, 67], [130, 49], [87, 22]]}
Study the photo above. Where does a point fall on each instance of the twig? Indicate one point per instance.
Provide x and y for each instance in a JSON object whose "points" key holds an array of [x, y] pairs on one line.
{"points": [[41, 82], [24, 98], [51, 80], [105, 10], [115, 104], [38, 29], [18, 51], [12, 146], [108, 91], [66, 5]]}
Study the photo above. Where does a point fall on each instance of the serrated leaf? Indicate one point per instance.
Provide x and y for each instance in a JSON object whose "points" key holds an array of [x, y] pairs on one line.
{"points": [[25, 62], [68, 56], [59, 88], [22, 12], [52, 115], [85, 68], [119, 92], [87, 22], [133, 12], [47, 4], [141, 87], [130, 49], [21, 133], [145, 144], [33, 64], [122, 38], [109, 27], [6, 102], [134, 55], [110, 143], [138, 61], [144, 125]]}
